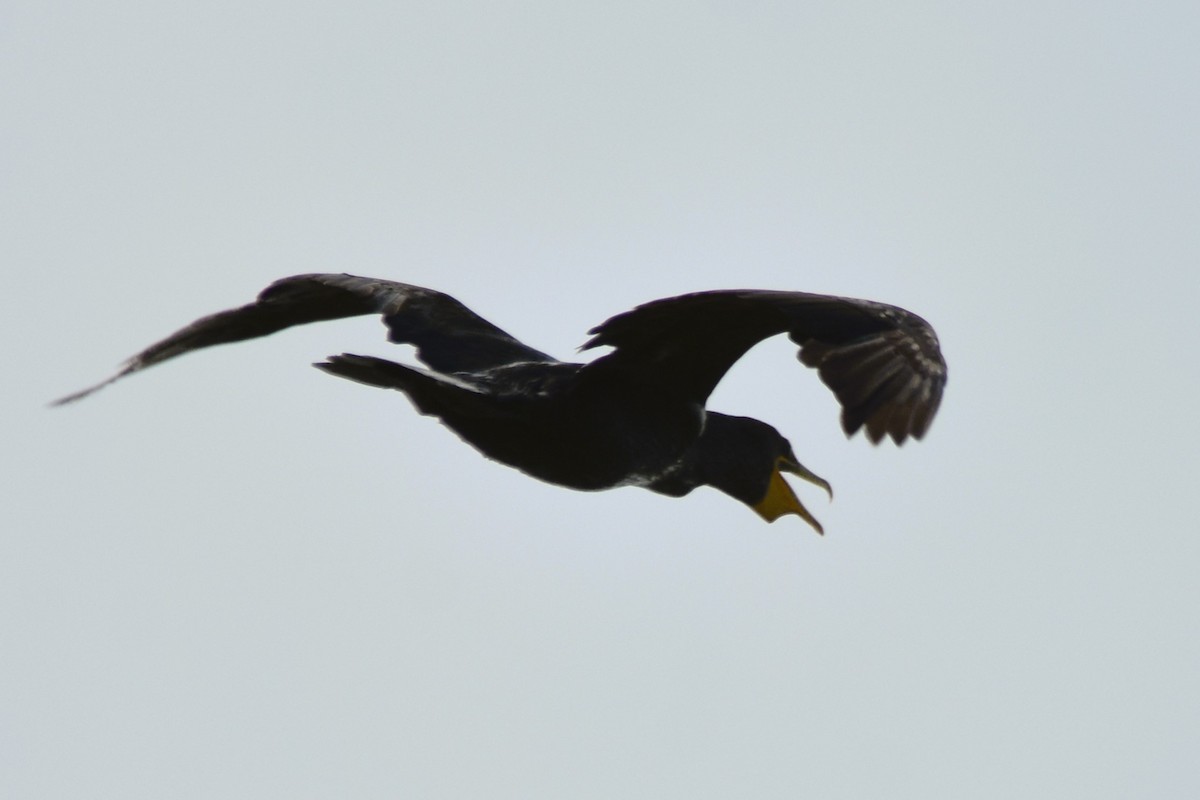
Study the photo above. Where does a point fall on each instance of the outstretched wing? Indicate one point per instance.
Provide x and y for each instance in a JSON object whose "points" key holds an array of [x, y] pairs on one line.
{"points": [[449, 337], [883, 363]]}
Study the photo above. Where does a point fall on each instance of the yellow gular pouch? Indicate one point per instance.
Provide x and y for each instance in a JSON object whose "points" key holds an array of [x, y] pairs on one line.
{"points": [[781, 500]]}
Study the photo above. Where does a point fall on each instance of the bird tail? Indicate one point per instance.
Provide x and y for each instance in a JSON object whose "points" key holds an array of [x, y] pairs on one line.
{"points": [[372, 371], [431, 392]]}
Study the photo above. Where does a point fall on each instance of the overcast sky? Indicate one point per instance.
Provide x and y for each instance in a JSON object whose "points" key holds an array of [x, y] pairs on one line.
{"points": [[237, 577]]}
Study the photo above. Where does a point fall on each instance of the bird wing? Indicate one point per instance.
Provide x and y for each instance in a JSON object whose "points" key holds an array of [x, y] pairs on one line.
{"points": [[449, 337], [883, 363]]}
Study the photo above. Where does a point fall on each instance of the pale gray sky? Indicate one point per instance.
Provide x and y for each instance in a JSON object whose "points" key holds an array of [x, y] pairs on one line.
{"points": [[235, 576]]}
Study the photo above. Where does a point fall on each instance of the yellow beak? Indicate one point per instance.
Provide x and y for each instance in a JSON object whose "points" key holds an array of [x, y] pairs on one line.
{"points": [[780, 500]]}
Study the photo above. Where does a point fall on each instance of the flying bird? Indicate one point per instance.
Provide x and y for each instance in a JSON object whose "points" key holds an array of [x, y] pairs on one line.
{"points": [[634, 416]]}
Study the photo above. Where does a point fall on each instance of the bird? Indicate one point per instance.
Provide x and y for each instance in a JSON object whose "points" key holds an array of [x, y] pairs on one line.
{"points": [[634, 416]]}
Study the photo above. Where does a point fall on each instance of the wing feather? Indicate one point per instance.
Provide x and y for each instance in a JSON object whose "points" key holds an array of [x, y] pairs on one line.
{"points": [[448, 336], [883, 363]]}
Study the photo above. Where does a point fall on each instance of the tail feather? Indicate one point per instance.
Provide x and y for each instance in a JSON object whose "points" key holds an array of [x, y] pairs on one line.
{"points": [[431, 392], [370, 370]]}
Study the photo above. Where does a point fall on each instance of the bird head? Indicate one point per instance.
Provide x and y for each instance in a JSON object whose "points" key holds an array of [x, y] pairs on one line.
{"points": [[745, 458]]}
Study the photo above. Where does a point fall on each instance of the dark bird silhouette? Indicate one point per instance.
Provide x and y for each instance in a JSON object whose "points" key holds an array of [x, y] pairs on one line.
{"points": [[635, 416]]}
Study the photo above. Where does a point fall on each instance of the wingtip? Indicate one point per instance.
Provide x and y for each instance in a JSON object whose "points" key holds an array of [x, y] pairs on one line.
{"points": [[75, 397], [132, 365]]}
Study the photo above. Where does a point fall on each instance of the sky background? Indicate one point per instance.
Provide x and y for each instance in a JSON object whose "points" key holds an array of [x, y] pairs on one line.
{"points": [[234, 576]]}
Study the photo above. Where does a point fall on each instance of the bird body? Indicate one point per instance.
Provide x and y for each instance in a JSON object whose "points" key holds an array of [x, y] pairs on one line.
{"points": [[559, 422], [635, 416]]}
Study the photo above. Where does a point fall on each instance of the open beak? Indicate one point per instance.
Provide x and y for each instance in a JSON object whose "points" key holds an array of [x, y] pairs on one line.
{"points": [[780, 500]]}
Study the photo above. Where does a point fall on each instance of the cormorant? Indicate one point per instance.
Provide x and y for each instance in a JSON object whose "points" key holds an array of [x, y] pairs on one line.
{"points": [[635, 416]]}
